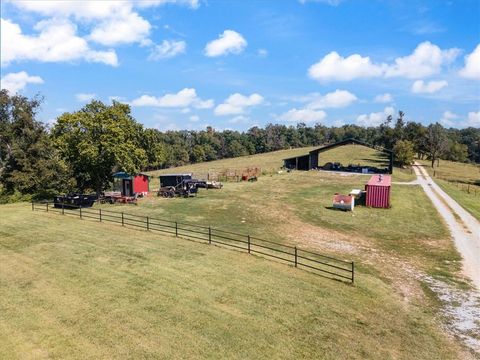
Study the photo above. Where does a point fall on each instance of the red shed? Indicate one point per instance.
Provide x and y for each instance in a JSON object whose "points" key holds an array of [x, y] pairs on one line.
{"points": [[131, 184], [378, 191]]}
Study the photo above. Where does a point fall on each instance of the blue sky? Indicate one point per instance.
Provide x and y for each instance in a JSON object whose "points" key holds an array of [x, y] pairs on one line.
{"points": [[187, 64]]}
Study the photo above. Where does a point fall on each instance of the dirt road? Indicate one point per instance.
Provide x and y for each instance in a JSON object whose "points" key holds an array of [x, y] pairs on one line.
{"points": [[465, 229]]}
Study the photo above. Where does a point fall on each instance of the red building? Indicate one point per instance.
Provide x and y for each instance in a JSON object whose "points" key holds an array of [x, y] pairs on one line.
{"points": [[130, 185], [378, 191]]}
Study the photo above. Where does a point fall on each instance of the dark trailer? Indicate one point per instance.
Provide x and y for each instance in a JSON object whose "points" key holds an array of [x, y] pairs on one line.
{"points": [[174, 179], [179, 184]]}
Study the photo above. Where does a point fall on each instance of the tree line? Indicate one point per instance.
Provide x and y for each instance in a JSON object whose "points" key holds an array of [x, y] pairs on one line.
{"points": [[82, 150]]}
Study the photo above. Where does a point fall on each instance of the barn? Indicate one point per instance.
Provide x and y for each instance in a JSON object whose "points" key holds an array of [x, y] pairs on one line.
{"points": [[310, 161], [129, 185], [378, 191]]}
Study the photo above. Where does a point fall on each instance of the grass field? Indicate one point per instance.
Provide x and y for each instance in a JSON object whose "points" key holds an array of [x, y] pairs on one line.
{"points": [[81, 289], [76, 288], [272, 162], [449, 173]]}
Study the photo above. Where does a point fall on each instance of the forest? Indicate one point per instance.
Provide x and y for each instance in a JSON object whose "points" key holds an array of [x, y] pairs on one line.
{"points": [[83, 148]]}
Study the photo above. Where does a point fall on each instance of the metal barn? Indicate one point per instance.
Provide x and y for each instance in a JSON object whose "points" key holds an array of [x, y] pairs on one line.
{"points": [[130, 185], [378, 191]]}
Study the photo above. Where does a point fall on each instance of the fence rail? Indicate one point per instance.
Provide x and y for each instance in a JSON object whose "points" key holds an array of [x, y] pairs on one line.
{"points": [[324, 265]]}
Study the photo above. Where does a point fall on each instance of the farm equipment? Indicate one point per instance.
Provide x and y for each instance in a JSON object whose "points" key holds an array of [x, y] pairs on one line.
{"points": [[74, 200], [113, 197], [179, 185]]}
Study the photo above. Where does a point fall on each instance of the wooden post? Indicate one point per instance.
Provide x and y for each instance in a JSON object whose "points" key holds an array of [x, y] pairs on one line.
{"points": [[176, 228], [63, 208], [248, 237], [47, 206], [296, 261], [209, 235], [33, 206], [80, 212], [148, 224], [100, 214], [353, 272], [123, 223]]}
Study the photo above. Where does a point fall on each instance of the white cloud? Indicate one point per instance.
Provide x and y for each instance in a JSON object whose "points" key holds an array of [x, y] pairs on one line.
{"points": [[447, 118], [383, 98], [426, 60], [375, 119], [430, 87], [240, 119], [472, 65], [182, 99], [79, 9], [15, 82], [473, 119], [167, 49], [194, 4], [450, 119], [329, 2], [303, 115], [124, 28], [228, 42], [262, 53], [56, 42], [85, 97], [236, 103], [335, 67], [194, 118], [336, 99]]}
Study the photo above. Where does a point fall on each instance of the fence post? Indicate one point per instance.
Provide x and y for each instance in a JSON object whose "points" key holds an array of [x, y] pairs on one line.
{"points": [[296, 262], [33, 206], [63, 208], [100, 214], [353, 272], [80, 212], [176, 228], [148, 224], [123, 223], [248, 237], [47, 206], [209, 235]]}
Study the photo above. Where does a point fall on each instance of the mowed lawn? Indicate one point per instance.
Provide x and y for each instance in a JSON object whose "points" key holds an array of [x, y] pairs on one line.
{"points": [[273, 161], [278, 207], [454, 178], [81, 289]]}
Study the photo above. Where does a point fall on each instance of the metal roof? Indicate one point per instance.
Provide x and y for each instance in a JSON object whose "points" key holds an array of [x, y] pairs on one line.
{"points": [[380, 180]]}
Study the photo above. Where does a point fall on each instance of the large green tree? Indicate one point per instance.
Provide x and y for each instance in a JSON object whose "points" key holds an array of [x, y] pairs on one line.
{"points": [[29, 164], [404, 152], [98, 140]]}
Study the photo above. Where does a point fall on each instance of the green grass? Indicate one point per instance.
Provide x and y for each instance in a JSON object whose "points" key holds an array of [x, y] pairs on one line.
{"points": [[469, 201], [449, 173], [74, 288], [276, 207], [454, 171], [272, 162]]}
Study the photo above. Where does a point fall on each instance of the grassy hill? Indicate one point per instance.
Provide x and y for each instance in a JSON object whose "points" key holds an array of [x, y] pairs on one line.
{"points": [[271, 162], [461, 181], [81, 289]]}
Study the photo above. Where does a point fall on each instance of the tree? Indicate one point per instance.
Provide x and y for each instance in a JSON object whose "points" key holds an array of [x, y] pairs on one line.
{"points": [[98, 140], [436, 141], [404, 152], [457, 152], [29, 163]]}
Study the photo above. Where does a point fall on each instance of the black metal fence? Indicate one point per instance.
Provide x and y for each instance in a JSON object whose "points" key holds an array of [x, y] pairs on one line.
{"points": [[314, 262]]}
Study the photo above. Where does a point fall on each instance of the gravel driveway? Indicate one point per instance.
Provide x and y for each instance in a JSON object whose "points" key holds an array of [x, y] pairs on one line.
{"points": [[465, 229]]}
